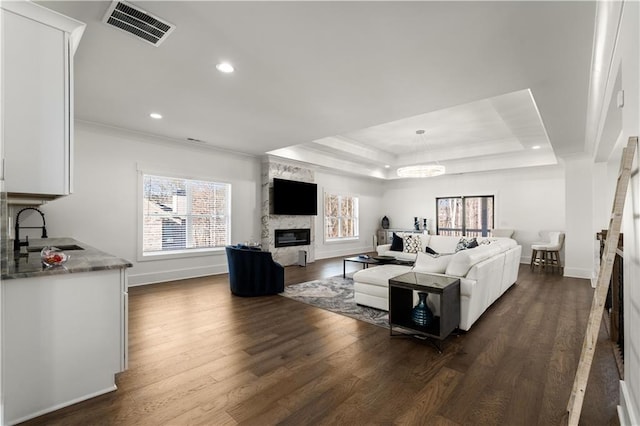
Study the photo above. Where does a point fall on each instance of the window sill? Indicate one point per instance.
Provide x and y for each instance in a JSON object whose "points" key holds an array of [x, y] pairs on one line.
{"points": [[341, 240], [180, 254]]}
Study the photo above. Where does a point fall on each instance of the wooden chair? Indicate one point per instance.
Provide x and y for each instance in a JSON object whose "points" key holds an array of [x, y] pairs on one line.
{"points": [[547, 254]]}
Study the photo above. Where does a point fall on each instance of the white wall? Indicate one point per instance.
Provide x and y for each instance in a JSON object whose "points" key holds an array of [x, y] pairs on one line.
{"points": [[527, 200], [623, 63], [103, 210], [579, 231], [369, 193], [629, 59]]}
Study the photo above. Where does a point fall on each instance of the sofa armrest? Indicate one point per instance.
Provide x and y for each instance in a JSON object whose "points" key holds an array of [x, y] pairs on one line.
{"points": [[383, 249]]}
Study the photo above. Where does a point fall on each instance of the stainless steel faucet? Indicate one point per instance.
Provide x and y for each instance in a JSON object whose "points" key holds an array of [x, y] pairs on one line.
{"points": [[16, 242]]}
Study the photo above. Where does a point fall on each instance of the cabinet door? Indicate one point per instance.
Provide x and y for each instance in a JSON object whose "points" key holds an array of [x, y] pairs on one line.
{"points": [[36, 95], [61, 340]]}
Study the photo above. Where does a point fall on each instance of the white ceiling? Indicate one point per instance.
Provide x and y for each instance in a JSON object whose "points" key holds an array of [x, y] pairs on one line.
{"points": [[347, 84], [497, 133]]}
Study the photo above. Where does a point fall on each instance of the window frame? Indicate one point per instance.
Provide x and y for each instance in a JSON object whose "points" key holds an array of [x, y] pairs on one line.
{"points": [[324, 218], [181, 253], [464, 228]]}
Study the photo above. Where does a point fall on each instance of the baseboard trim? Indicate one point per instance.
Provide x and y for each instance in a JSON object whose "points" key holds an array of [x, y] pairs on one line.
{"points": [[586, 274], [627, 411], [56, 407], [175, 274]]}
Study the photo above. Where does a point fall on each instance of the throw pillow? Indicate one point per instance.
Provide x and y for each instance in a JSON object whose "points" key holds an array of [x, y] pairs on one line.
{"points": [[412, 243], [435, 265], [466, 243], [429, 250], [462, 244], [396, 243], [487, 241]]}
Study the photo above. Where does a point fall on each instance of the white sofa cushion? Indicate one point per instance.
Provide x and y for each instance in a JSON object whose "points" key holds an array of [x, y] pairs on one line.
{"points": [[463, 260], [373, 290], [504, 243], [424, 238], [443, 244], [426, 263], [399, 255], [380, 275]]}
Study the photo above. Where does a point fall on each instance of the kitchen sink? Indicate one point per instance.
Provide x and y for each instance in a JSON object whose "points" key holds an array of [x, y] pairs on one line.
{"points": [[63, 247]]}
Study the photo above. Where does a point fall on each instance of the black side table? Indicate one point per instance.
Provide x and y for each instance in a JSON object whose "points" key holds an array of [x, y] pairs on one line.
{"points": [[401, 303]]}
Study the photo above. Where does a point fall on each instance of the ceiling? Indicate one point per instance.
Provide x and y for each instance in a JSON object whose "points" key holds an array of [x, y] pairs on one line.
{"points": [[346, 85]]}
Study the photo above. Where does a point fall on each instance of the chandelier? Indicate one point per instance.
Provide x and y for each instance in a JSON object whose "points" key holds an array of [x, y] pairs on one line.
{"points": [[421, 170]]}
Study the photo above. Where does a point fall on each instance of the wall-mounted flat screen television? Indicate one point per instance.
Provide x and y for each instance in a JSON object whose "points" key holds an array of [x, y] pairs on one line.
{"points": [[295, 198]]}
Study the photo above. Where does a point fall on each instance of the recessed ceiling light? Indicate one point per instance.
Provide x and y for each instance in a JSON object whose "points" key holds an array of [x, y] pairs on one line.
{"points": [[386, 166], [155, 115], [225, 67], [535, 147]]}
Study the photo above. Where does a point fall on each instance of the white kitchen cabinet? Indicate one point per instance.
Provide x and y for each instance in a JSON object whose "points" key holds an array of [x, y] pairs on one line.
{"points": [[64, 338], [38, 47]]}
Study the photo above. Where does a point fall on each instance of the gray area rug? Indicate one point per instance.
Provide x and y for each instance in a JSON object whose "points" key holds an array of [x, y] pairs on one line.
{"points": [[335, 294]]}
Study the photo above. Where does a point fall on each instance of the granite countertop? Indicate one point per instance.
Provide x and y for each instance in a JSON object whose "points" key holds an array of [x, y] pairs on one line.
{"points": [[87, 260]]}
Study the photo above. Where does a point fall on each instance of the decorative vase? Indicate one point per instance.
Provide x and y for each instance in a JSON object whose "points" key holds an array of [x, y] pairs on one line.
{"points": [[416, 223], [424, 227], [421, 314], [385, 223]]}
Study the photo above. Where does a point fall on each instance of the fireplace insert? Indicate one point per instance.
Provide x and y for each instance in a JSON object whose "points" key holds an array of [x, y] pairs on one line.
{"points": [[292, 237]]}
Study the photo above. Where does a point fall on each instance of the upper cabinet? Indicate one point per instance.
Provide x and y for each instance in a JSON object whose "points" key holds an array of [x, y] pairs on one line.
{"points": [[38, 47]]}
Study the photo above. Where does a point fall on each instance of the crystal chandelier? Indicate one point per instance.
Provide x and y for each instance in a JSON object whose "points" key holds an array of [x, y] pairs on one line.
{"points": [[421, 170]]}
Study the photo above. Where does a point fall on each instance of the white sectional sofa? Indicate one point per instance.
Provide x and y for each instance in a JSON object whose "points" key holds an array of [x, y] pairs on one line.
{"points": [[485, 273]]}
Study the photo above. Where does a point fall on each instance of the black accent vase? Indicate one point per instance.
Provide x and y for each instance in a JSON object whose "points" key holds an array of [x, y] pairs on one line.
{"points": [[421, 314], [385, 223]]}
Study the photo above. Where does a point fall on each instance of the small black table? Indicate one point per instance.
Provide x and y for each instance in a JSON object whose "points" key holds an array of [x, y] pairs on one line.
{"points": [[401, 303], [366, 261]]}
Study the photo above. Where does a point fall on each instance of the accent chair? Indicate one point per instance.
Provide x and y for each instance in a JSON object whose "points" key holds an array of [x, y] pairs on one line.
{"points": [[253, 272]]}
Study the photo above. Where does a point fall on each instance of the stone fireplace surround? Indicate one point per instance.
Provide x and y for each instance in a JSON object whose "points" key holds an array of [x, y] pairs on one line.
{"points": [[287, 255]]}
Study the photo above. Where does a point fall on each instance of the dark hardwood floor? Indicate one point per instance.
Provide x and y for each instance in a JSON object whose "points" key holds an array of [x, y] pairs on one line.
{"points": [[199, 355]]}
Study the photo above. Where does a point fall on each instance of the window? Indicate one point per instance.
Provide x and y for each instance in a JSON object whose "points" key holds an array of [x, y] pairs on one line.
{"points": [[179, 215], [340, 217], [468, 216]]}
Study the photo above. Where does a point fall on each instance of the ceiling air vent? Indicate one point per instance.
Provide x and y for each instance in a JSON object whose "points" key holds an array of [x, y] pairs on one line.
{"points": [[137, 22]]}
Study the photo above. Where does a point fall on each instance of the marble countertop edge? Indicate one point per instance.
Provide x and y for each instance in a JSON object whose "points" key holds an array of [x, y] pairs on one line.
{"points": [[88, 260]]}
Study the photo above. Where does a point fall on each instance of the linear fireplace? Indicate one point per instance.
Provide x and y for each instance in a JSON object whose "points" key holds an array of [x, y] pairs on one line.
{"points": [[292, 237]]}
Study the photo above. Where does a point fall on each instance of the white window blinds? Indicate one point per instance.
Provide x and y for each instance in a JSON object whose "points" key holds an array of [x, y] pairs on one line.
{"points": [[182, 214]]}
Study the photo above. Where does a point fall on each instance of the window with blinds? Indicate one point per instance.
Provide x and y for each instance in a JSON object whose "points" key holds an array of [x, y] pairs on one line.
{"points": [[184, 214], [340, 217]]}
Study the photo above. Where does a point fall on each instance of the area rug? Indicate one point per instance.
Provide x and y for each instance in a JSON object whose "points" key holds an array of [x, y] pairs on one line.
{"points": [[335, 294]]}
